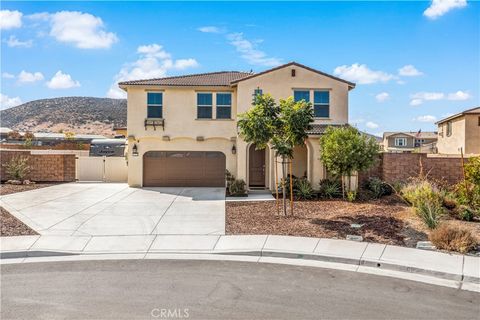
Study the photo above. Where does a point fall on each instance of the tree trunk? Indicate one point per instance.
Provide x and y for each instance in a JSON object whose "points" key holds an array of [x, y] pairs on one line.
{"points": [[283, 187], [343, 187]]}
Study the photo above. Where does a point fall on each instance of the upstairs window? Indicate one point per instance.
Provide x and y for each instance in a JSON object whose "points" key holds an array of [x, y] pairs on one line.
{"points": [[204, 105], [224, 105], [299, 95], [449, 128], [400, 142], [154, 105], [321, 104]]}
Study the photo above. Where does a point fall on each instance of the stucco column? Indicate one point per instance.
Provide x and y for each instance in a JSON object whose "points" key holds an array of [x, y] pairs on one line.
{"points": [[241, 159]]}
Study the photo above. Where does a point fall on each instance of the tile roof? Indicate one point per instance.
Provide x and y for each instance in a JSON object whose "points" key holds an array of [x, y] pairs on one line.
{"points": [[422, 135], [222, 78], [469, 111], [318, 129]]}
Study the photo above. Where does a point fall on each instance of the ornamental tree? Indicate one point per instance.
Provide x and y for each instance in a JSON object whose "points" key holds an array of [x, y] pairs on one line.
{"points": [[344, 150], [283, 126]]}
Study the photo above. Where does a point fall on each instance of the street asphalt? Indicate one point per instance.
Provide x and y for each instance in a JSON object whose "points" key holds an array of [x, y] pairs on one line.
{"points": [[181, 289]]}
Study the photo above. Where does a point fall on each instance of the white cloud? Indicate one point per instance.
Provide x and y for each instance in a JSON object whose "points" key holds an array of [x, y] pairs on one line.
{"points": [[419, 97], [439, 7], [459, 95], [27, 77], [7, 75], [416, 102], [7, 102], [10, 19], [426, 118], [13, 42], [383, 96], [371, 125], [62, 81], [361, 74], [83, 30], [409, 71], [210, 29], [249, 52], [153, 62]]}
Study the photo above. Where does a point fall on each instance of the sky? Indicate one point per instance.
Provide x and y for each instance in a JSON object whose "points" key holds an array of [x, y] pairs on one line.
{"points": [[413, 62]]}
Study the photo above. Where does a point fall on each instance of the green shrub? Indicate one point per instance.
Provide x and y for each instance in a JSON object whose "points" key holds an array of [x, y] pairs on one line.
{"points": [[466, 213], [418, 191], [453, 239], [378, 188], [303, 189], [17, 168], [330, 189], [430, 213], [472, 171], [237, 187], [427, 199], [351, 195]]}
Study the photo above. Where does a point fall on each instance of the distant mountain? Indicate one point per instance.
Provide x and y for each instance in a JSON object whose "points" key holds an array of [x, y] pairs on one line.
{"points": [[85, 115]]}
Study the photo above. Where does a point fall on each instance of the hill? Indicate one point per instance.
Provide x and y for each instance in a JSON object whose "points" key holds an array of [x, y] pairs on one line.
{"points": [[85, 115]]}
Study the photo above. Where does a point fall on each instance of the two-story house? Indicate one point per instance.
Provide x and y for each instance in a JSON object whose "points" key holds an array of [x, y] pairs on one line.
{"points": [[409, 142], [182, 131], [460, 131]]}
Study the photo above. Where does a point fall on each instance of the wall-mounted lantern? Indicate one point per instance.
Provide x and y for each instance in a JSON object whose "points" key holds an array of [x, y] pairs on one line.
{"points": [[234, 149], [135, 150]]}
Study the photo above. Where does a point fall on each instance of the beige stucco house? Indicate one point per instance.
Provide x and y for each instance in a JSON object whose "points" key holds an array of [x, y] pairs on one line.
{"points": [[409, 142], [461, 130], [182, 130]]}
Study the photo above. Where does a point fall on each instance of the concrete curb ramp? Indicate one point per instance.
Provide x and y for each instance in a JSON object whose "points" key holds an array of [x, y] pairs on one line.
{"points": [[372, 257]]}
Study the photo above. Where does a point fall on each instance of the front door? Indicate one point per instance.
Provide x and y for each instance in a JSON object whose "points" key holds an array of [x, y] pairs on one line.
{"points": [[256, 172]]}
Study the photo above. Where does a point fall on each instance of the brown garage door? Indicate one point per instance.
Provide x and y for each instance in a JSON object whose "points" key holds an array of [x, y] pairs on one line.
{"points": [[183, 169]]}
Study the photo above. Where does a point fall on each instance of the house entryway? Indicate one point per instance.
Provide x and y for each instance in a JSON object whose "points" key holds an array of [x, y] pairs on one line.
{"points": [[256, 167]]}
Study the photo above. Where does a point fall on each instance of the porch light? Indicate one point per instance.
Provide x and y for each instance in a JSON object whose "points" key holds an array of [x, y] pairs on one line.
{"points": [[135, 150], [234, 149]]}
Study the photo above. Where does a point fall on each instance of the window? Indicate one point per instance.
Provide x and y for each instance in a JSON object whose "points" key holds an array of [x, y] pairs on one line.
{"points": [[449, 128], [479, 121], [301, 95], [321, 104], [154, 105], [204, 105], [400, 142], [224, 105]]}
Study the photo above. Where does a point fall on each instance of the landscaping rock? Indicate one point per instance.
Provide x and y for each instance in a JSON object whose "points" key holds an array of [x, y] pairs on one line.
{"points": [[352, 237], [28, 182], [426, 245], [356, 225], [16, 182]]}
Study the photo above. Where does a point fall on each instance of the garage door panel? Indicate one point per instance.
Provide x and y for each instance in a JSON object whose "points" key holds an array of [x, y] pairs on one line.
{"points": [[184, 169]]}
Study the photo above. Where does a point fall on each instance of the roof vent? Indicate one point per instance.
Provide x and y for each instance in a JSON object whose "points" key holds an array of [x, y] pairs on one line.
{"points": [[293, 72]]}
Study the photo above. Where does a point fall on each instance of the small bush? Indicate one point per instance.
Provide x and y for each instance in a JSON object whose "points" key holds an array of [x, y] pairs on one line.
{"points": [[330, 189], [418, 191], [303, 189], [237, 187], [351, 196], [378, 188], [430, 213], [466, 213], [472, 171], [17, 168], [449, 201], [468, 194], [453, 239]]}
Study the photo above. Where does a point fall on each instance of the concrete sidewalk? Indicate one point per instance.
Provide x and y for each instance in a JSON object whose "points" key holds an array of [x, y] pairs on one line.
{"points": [[441, 265]]}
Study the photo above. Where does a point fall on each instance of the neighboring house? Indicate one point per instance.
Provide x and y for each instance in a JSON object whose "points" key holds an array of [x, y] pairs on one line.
{"points": [[461, 130], [4, 133], [182, 131], [51, 139], [409, 141]]}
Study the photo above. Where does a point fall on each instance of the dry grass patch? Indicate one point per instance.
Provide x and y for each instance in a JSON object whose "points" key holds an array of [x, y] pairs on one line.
{"points": [[451, 238]]}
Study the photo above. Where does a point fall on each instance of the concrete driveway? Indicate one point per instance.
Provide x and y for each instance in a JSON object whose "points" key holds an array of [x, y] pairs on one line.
{"points": [[116, 209]]}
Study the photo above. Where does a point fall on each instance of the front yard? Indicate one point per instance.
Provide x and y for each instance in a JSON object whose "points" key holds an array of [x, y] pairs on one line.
{"points": [[387, 220]]}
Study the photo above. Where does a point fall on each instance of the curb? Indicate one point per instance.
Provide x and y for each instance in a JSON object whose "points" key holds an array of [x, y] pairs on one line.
{"points": [[293, 256]]}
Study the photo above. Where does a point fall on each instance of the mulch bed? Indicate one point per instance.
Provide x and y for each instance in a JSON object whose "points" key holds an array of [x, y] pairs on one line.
{"points": [[383, 220], [11, 226], [14, 188]]}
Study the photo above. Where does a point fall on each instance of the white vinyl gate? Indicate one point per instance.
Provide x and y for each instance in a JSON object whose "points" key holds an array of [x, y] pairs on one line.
{"points": [[105, 169]]}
